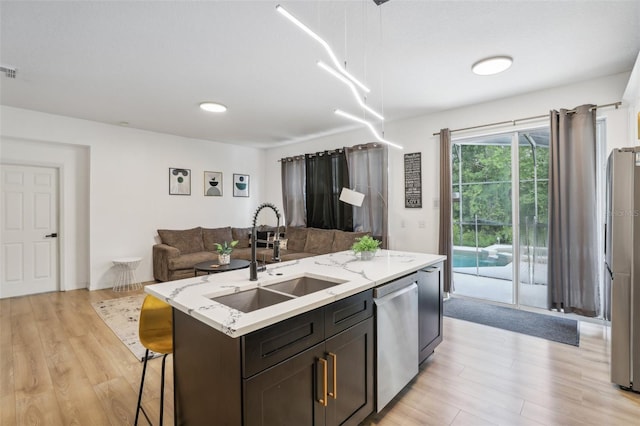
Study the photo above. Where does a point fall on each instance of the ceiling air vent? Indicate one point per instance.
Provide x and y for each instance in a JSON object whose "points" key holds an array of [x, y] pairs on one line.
{"points": [[8, 72]]}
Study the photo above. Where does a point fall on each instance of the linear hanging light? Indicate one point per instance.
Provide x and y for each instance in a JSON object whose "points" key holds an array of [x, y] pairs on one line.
{"points": [[340, 77], [324, 44], [369, 125]]}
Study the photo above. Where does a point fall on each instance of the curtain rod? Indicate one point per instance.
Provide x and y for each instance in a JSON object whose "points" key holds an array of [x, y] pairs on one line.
{"points": [[332, 151], [513, 122]]}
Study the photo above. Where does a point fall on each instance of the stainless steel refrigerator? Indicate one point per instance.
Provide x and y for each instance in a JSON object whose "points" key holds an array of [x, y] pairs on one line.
{"points": [[622, 256]]}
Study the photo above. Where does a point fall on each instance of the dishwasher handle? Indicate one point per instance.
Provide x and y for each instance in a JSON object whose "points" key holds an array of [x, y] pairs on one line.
{"points": [[392, 286]]}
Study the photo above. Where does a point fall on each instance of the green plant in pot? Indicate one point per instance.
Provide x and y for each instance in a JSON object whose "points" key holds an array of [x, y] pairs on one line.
{"points": [[366, 246], [224, 251]]}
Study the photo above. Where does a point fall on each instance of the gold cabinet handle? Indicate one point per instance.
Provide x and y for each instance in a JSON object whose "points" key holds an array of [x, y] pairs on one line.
{"points": [[324, 400], [334, 394]]}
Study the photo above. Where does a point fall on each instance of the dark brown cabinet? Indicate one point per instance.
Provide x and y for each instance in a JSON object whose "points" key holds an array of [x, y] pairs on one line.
{"points": [[328, 384], [313, 369], [430, 313]]}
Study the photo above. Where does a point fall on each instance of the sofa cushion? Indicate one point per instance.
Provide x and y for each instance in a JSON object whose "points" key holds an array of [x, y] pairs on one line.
{"points": [[296, 238], [344, 240], [187, 240], [294, 255], [187, 261], [319, 241], [242, 235], [215, 235]]}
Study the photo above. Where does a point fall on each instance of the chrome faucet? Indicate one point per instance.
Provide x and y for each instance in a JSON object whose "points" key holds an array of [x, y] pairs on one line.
{"points": [[253, 266]]}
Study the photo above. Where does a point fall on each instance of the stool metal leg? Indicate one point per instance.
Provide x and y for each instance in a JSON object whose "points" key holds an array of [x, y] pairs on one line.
{"points": [[164, 359], [139, 407]]}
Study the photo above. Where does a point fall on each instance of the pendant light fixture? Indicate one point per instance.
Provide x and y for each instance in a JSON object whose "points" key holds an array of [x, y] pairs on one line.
{"points": [[352, 86], [369, 125], [324, 44]]}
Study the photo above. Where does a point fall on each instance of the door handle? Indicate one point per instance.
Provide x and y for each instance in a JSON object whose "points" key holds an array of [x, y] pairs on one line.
{"points": [[334, 394], [323, 398], [54, 235]]}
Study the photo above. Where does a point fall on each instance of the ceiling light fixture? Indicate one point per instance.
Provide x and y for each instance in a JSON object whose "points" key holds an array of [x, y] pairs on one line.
{"points": [[493, 65], [352, 86], [212, 107], [324, 44], [369, 125]]}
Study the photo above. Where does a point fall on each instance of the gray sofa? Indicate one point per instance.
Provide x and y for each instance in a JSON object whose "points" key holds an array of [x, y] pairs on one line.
{"points": [[179, 250]]}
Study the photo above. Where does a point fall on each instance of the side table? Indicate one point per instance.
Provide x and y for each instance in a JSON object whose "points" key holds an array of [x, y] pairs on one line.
{"points": [[126, 270]]}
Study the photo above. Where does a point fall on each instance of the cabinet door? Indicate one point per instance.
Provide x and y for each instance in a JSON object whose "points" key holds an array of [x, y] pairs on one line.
{"points": [[350, 381], [429, 309], [288, 393]]}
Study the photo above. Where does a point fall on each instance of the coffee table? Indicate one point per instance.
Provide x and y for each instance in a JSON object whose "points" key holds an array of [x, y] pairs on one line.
{"points": [[212, 266]]}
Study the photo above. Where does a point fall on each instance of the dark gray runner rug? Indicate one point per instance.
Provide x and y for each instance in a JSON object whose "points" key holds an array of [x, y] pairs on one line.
{"points": [[546, 326]]}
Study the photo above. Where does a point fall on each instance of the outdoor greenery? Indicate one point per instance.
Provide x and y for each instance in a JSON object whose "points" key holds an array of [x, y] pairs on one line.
{"points": [[486, 190]]}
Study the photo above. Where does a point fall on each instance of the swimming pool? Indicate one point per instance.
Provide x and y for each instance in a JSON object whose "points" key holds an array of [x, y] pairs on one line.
{"points": [[467, 260]]}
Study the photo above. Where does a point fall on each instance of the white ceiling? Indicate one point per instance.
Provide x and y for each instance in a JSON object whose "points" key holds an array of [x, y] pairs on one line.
{"points": [[151, 63]]}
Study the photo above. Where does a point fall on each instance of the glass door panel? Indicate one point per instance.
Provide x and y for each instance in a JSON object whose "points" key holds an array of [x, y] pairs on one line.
{"points": [[533, 150], [482, 218]]}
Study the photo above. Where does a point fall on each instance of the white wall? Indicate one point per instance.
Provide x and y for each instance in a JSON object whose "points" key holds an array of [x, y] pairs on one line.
{"points": [[417, 229], [632, 98], [118, 182]]}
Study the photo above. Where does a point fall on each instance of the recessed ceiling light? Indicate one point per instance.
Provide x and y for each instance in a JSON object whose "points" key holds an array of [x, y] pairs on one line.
{"points": [[213, 107], [493, 65]]}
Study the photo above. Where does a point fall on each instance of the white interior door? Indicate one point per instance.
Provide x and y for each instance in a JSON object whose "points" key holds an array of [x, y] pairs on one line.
{"points": [[28, 233]]}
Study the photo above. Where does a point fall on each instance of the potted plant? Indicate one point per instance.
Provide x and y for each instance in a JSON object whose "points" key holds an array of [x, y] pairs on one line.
{"points": [[366, 246], [224, 251]]}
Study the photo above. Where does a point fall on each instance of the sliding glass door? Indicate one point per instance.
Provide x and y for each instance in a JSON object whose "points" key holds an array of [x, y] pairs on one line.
{"points": [[498, 181], [533, 155]]}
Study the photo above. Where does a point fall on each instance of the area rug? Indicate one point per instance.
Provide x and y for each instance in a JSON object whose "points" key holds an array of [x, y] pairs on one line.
{"points": [[545, 326], [121, 316]]}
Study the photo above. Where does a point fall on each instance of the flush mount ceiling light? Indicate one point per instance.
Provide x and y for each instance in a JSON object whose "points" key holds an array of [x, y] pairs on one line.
{"points": [[493, 65], [352, 86], [369, 125], [212, 107], [324, 44]]}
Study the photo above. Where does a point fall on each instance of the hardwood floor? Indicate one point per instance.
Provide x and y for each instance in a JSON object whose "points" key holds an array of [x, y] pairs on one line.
{"points": [[61, 365]]}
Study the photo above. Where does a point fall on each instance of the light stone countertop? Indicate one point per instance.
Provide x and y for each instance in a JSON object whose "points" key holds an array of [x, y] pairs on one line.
{"points": [[193, 295]]}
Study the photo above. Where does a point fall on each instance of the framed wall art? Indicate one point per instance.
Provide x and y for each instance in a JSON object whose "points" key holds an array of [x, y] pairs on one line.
{"points": [[179, 181], [413, 180], [213, 184], [240, 185]]}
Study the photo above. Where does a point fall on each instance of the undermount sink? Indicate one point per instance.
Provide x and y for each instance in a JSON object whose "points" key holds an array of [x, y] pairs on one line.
{"points": [[272, 294], [303, 285], [252, 300]]}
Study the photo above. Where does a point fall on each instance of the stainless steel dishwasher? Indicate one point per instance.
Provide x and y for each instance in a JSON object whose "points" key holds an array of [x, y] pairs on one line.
{"points": [[397, 336]]}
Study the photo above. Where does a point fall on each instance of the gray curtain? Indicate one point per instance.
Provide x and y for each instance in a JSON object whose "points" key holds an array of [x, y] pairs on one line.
{"points": [[368, 174], [293, 190], [573, 249], [445, 246]]}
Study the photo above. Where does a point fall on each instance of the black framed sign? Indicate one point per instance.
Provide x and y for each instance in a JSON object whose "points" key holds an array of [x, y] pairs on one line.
{"points": [[413, 180]]}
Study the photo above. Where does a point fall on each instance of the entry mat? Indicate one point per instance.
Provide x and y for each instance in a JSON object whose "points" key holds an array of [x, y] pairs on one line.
{"points": [[548, 327]]}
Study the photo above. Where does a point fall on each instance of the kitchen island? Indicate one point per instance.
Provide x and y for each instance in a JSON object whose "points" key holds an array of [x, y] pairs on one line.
{"points": [[285, 357]]}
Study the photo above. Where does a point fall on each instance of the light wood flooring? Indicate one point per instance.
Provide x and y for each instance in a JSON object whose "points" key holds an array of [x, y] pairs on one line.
{"points": [[61, 365]]}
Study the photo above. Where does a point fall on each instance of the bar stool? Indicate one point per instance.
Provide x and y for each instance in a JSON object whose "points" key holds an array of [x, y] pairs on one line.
{"points": [[156, 334]]}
